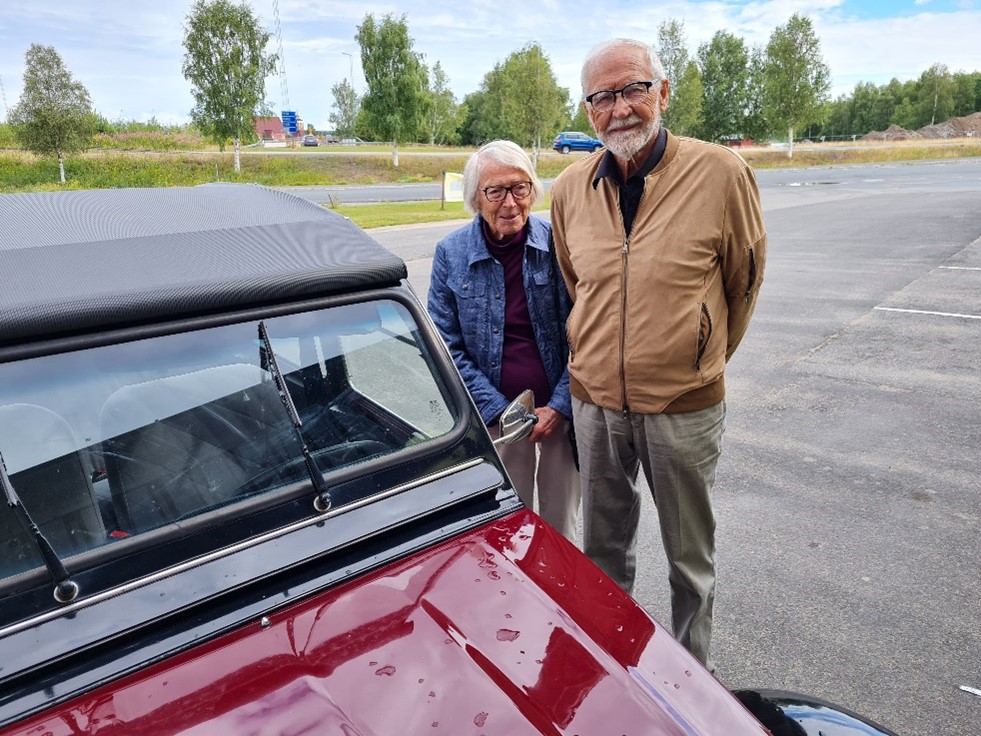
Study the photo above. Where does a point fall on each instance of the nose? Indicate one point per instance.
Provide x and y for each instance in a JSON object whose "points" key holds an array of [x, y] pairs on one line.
{"points": [[621, 108]]}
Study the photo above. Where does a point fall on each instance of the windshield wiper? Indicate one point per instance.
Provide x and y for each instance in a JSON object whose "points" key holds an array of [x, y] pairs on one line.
{"points": [[322, 503], [66, 589]]}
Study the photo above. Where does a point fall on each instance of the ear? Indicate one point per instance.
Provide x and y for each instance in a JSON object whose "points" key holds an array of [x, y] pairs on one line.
{"points": [[663, 95]]}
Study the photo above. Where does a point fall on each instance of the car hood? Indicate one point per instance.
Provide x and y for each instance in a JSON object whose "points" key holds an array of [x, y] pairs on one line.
{"points": [[506, 630]]}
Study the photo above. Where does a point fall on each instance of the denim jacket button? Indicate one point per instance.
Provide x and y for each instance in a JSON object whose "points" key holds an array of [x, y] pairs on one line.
{"points": [[496, 330]]}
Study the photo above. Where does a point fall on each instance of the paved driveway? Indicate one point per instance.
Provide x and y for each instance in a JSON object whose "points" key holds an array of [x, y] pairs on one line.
{"points": [[849, 493]]}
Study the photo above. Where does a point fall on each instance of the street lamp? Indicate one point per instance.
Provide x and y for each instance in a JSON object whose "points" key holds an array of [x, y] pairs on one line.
{"points": [[351, 58]]}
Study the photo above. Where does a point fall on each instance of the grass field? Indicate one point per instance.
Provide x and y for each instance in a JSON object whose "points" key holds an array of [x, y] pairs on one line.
{"points": [[115, 168]]}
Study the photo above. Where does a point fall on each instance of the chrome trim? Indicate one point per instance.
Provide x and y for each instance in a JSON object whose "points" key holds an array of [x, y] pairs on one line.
{"points": [[238, 547]]}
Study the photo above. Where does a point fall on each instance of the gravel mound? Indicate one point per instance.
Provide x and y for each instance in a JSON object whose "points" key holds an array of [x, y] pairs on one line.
{"points": [[968, 126]]}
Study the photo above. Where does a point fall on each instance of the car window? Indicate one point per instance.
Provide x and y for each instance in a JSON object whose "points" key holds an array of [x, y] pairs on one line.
{"points": [[116, 441]]}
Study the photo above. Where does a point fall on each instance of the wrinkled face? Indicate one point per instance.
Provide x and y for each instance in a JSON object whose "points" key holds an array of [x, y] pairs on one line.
{"points": [[507, 217], [626, 129]]}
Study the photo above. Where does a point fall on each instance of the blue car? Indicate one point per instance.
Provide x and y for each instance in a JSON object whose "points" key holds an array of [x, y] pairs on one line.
{"points": [[574, 141]]}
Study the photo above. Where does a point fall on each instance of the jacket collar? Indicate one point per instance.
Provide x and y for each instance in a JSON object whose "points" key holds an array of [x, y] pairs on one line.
{"points": [[477, 246]]}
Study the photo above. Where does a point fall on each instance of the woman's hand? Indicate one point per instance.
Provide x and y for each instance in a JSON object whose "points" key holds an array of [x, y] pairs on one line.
{"points": [[549, 421]]}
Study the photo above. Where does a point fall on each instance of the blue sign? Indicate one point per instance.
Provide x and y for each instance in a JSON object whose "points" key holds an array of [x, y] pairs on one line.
{"points": [[289, 120]]}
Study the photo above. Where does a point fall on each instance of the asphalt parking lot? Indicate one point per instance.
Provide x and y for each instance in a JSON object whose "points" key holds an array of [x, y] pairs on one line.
{"points": [[849, 493]]}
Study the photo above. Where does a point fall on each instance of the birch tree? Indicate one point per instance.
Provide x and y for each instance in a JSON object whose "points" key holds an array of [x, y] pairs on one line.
{"points": [[226, 63], [54, 114], [796, 80]]}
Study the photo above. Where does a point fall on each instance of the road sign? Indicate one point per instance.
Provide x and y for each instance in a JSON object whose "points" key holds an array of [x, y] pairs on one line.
{"points": [[289, 120]]}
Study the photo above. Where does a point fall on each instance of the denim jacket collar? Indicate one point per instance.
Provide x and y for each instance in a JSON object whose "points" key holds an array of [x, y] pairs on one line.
{"points": [[477, 246]]}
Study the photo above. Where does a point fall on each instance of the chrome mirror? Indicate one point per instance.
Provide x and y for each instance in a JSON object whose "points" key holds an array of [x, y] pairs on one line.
{"points": [[518, 419]]}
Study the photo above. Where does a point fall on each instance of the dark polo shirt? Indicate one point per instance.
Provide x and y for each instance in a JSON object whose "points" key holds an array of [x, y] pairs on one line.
{"points": [[631, 190]]}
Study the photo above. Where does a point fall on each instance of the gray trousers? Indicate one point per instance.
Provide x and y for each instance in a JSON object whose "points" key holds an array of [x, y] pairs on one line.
{"points": [[679, 454]]}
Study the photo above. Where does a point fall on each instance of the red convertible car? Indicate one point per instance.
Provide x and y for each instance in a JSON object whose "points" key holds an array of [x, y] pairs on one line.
{"points": [[244, 491]]}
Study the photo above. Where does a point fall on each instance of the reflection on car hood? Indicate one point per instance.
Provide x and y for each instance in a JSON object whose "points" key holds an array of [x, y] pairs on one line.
{"points": [[507, 630]]}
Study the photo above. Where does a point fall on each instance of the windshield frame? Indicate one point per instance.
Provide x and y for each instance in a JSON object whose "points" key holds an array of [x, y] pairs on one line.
{"points": [[262, 513]]}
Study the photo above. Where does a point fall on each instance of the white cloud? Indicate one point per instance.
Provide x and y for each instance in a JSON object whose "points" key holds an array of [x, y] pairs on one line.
{"points": [[129, 53]]}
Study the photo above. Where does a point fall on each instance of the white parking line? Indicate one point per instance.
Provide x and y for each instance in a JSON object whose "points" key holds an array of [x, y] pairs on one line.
{"points": [[924, 311], [961, 268]]}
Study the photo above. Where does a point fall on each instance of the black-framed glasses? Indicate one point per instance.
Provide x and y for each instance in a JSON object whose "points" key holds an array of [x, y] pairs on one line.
{"points": [[497, 194], [632, 93]]}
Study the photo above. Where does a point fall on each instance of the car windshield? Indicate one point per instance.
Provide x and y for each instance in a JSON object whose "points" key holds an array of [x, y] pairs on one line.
{"points": [[112, 442]]}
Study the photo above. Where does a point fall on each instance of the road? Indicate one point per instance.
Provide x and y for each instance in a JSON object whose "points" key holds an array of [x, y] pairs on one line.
{"points": [[849, 493], [845, 178]]}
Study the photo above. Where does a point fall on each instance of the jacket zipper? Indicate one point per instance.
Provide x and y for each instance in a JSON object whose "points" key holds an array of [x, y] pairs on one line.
{"points": [[623, 322]]}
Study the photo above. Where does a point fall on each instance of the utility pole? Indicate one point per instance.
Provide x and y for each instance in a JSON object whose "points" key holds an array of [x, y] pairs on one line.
{"points": [[283, 88]]}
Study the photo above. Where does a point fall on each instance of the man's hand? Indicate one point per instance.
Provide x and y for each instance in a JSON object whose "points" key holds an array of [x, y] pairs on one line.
{"points": [[549, 421]]}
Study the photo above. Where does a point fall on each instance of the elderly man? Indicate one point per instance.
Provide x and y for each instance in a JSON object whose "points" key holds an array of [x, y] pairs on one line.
{"points": [[661, 243]]}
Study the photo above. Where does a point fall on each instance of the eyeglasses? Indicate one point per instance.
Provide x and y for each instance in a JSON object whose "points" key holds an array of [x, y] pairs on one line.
{"points": [[632, 93], [497, 194]]}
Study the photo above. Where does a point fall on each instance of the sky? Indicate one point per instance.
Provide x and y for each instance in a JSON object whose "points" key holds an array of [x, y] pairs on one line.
{"points": [[128, 53]]}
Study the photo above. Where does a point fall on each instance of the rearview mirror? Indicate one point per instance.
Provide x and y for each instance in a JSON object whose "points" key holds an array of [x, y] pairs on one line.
{"points": [[518, 419]]}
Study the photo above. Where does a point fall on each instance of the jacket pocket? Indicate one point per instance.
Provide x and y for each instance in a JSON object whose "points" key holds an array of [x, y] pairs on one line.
{"points": [[704, 334], [570, 330], [751, 281]]}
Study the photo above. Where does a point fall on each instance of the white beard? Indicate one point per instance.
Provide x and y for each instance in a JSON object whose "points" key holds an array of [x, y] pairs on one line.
{"points": [[625, 143]]}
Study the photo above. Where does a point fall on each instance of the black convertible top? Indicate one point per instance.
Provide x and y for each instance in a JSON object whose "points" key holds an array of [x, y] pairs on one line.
{"points": [[72, 262]]}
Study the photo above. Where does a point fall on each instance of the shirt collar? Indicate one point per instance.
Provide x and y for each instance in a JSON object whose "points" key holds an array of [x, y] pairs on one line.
{"points": [[608, 168]]}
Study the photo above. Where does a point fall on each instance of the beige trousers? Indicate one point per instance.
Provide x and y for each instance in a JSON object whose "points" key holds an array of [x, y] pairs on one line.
{"points": [[550, 464]]}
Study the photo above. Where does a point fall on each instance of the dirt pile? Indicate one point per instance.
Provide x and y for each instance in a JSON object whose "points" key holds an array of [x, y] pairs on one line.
{"points": [[968, 126], [892, 133]]}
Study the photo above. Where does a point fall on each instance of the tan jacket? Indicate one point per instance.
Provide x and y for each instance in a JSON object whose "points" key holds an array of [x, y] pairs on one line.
{"points": [[656, 318]]}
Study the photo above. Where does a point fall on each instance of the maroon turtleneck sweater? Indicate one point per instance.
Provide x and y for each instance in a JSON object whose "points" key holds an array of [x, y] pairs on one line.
{"points": [[521, 365]]}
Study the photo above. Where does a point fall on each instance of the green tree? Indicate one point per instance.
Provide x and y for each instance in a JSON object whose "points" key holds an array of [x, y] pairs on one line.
{"points": [[54, 114], [347, 105], [226, 63], [686, 102], [964, 86], [522, 100], [394, 105], [795, 78], [477, 126], [838, 120], [578, 119], [935, 101], [903, 96], [904, 114], [724, 66], [756, 125], [672, 49], [442, 119]]}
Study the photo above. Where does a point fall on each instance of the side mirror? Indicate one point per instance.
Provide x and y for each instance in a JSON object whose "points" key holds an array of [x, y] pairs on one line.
{"points": [[518, 419]]}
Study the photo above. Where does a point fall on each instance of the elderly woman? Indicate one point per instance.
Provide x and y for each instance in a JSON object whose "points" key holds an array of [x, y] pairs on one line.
{"points": [[498, 298]]}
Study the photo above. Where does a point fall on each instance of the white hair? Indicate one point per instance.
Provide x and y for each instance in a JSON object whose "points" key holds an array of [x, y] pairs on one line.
{"points": [[505, 153], [597, 51]]}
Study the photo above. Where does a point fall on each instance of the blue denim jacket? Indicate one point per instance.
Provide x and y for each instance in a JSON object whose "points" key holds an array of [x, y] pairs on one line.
{"points": [[466, 301]]}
